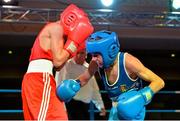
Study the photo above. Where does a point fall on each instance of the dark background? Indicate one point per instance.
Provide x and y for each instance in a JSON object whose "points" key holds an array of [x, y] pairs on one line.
{"points": [[152, 45]]}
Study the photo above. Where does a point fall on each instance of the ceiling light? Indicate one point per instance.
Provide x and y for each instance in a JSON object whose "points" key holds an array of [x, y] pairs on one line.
{"points": [[107, 2], [9, 2], [176, 4]]}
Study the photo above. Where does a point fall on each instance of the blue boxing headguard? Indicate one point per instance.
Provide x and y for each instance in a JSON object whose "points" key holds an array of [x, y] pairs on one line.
{"points": [[105, 43]]}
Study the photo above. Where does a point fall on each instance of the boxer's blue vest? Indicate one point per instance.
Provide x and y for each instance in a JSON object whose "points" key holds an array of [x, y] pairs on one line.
{"points": [[123, 82]]}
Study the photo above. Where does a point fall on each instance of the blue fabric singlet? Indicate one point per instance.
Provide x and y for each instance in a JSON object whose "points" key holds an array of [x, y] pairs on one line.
{"points": [[123, 82]]}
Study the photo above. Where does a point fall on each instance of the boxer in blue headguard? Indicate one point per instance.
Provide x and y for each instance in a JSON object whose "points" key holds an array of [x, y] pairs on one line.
{"points": [[106, 44], [121, 73]]}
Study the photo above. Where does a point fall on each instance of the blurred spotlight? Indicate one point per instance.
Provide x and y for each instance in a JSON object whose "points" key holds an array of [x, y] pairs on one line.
{"points": [[173, 55], [9, 2], [10, 52], [107, 2], [176, 4]]}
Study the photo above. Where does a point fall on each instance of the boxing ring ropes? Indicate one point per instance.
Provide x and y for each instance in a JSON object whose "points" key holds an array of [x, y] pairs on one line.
{"points": [[92, 110], [14, 14]]}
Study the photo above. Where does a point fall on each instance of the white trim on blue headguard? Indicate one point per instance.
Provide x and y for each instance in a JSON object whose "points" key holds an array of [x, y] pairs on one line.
{"points": [[105, 43]]}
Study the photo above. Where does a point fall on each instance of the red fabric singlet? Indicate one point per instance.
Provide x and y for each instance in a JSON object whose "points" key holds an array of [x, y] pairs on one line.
{"points": [[37, 52]]}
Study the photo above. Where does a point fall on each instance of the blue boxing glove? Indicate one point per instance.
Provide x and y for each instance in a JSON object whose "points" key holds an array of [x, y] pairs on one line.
{"points": [[141, 115], [131, 104], [68, 89]]}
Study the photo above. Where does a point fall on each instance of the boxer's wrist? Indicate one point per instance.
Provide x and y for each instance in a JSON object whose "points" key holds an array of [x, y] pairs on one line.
{"points": [[147, 94], [78, 81]]}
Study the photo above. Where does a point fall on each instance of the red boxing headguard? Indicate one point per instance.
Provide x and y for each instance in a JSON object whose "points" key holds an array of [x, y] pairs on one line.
{"points": [[70, 18]]}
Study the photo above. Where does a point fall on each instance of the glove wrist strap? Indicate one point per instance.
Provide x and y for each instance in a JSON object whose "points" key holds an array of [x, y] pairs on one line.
{"points": [[147, 94], [78, 81]]}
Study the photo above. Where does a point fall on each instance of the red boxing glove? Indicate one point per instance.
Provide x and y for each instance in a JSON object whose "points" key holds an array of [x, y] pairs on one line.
{"points": [[77, 36], [82, 46]]}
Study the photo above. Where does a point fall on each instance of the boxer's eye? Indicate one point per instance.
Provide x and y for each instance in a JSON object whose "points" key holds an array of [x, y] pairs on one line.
{"points": [[95, 55], [98, 38]]}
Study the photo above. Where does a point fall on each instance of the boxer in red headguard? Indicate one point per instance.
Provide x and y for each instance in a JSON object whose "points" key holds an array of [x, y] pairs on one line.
{"points": [[50, 50]]}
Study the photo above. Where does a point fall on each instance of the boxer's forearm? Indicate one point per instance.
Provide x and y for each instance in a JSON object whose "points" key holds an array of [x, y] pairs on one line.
{"points": [[84, 77], [93, 67]]}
